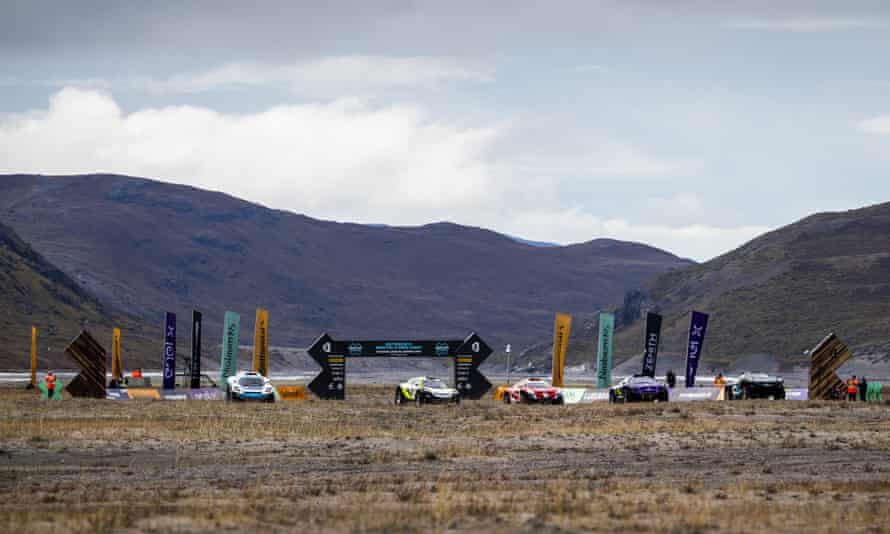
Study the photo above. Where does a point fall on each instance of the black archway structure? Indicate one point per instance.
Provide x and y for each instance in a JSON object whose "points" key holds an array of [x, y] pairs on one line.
{"points": [[467, 354]]}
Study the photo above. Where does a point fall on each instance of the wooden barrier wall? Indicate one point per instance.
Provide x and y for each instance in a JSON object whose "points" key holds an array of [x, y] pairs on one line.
{"points": [[825, 359], [90, 356]]}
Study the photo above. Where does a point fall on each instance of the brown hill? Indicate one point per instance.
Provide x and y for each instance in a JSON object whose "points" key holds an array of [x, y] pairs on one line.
{"points": [[145, 247], [779, 294], [34, 292]]}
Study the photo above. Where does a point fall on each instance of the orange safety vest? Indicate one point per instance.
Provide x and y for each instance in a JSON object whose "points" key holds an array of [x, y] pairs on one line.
{"points": [[852, 386], [50, 382]]}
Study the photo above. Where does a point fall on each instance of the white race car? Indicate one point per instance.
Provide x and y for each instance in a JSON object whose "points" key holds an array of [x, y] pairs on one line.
{"points": [[424, 390], [249, 385]]}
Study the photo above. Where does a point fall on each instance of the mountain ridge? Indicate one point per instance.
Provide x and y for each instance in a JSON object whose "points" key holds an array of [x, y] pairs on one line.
{"points": [[782, 292], [144, 246]]}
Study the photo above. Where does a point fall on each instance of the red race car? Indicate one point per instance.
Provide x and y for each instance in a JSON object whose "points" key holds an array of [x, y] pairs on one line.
{"points": [[533, 390]]}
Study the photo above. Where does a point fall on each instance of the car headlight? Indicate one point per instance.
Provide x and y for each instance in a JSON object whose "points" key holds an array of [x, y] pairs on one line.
{"points": [[781, 380]]}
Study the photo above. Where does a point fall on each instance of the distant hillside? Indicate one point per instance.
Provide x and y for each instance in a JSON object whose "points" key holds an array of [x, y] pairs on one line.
{"points": [[781, 293], [34, 292], [145, 247]]}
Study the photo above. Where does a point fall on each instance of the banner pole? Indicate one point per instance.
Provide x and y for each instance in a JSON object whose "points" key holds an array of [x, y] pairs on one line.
{"points": [[33, 383]]}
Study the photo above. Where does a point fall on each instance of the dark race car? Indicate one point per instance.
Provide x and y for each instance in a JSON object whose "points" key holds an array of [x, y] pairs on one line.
{"points": [[755, 386], [639, 388]]}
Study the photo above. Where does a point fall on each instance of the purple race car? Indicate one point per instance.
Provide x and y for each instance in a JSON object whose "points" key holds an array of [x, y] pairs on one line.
{"points": [[639, 388]]}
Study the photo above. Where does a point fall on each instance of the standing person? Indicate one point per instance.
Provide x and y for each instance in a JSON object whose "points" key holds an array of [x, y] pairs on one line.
{"points": [[852, 388], [50, 384], [863, 389], [671, 379]]}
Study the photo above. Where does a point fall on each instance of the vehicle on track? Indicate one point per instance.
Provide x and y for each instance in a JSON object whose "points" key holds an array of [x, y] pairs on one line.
{"points": [[639, 388], [533, 390], [425, 390], [755, 386], [249, 385]]}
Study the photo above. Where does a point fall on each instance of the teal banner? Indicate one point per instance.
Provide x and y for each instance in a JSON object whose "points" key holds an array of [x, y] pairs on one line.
{"points": [[229, 361], [604, 351]]}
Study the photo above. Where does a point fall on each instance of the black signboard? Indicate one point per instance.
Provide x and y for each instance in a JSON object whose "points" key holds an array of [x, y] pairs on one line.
{"points": [[331, 355], [653, 337]]}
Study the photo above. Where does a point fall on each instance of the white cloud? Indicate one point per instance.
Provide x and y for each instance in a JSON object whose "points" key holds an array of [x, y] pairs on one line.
{"points": [[696, 241], [342, 160], [806, 24], [331, 159], [876, 125], [599, 157], [325, 74]]}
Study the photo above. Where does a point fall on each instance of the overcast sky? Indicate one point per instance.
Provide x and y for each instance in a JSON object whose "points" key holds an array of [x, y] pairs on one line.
{"points": [[690, 126]]}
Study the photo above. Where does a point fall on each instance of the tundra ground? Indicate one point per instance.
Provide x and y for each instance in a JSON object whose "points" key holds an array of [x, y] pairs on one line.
{"points": [[366, 465]]}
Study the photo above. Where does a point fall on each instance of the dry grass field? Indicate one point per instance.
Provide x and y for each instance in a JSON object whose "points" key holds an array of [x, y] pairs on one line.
{"points": [[366, 465]]}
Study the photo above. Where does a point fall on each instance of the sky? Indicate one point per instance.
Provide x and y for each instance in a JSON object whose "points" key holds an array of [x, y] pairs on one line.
{"points": [[692, 126]]}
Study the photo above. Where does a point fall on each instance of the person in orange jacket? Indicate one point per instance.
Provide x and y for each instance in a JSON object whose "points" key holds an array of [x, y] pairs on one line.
{"points": [[50, 383], [719, 380], [852, 388]]}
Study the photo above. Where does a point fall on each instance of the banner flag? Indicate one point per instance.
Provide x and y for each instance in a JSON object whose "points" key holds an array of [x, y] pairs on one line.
{"points": [[653, 338], [261, 343], [229, 361], [195, 367], [698, 326], [170, 351], [562, 327], [604, 351], [33, 357], [116, 370]]}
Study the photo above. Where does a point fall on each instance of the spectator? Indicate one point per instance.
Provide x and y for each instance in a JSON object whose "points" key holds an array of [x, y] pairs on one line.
{"points": [[671, 379], [863, 389], [852, 388], [50, 384]]}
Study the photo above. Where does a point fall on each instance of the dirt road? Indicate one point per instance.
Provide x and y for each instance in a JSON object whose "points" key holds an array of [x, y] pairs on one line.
{"points": [[365, 465]]}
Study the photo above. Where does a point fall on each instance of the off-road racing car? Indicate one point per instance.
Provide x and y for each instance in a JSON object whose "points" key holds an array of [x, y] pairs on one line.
{"points": [[425, 390], [533, 390], [249, 385], [639, 388], [755, 386]]}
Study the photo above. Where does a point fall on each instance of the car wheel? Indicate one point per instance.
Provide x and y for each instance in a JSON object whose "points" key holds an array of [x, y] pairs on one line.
{"points": [[418, 399], [506, 397], [228, 395], [612, 397], [559, 400], [399, 398], [457, 399]]}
